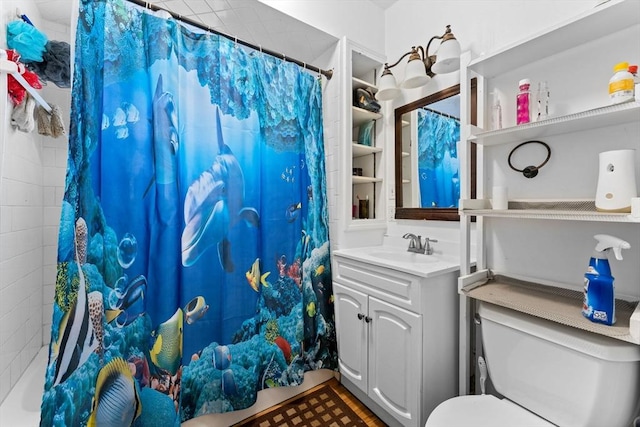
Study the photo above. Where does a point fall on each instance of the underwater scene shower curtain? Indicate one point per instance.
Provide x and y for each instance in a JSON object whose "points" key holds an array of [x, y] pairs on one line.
{"points": [[438, 163], [193, 259]]}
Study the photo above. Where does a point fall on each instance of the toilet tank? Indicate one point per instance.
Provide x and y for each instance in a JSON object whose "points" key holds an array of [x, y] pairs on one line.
{"points": [[568, 376]]}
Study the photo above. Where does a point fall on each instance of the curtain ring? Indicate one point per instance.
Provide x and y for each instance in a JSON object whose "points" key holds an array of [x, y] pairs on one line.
{"points": [[530, 171]]}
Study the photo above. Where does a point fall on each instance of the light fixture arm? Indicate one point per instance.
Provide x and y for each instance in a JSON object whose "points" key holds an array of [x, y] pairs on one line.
{"points": [[429, 60], [412, 51], [423, 53]]}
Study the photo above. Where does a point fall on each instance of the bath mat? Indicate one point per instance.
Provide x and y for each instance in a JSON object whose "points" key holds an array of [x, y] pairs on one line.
{"points": [[318, 407]]}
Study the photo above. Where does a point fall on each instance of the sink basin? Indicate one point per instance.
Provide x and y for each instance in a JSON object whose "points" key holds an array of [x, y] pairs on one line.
{"points": [[403, 256]]}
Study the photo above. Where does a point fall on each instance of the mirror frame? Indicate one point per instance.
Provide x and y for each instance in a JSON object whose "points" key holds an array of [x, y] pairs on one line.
{"points": [[436, 214]]}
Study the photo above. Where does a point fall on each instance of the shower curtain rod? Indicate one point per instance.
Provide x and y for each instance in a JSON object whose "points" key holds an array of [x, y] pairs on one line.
{"points": [[327, 73], [442, 114]]}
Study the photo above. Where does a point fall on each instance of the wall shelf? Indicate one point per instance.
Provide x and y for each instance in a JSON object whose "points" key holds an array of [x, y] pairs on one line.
{"points": [[364, 180], [357, 83], [569, 210], [360, 150], [368, 160], [504, 274], [582, 29], [554, 303], [360, 116], [610, 115]]}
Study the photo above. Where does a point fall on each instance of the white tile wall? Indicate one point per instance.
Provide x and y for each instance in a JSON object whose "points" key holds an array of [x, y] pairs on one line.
{"points": [[32, 171]]}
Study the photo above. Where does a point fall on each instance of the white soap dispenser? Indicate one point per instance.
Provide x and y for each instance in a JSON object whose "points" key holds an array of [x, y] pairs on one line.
{"points": [[616, 181]]}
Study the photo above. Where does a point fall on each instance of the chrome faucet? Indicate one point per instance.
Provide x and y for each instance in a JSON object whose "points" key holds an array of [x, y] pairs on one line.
{"points": [[415, 244]]}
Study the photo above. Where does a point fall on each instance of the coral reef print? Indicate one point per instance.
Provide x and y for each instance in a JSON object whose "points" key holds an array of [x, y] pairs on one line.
{"points": [[193, 256]]}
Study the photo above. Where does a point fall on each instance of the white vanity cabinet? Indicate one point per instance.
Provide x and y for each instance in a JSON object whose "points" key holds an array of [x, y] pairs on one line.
{"points": [[397, 336]]}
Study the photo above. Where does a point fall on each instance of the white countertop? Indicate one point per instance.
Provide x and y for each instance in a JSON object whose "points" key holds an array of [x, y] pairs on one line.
{"points": [[401, 260]]}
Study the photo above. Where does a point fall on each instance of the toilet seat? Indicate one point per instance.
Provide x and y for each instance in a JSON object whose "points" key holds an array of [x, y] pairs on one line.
{"points": [[483, 411]]}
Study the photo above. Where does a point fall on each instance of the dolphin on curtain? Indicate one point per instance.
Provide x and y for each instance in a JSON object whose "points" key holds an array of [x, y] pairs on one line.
{"points": [[214, 203]]}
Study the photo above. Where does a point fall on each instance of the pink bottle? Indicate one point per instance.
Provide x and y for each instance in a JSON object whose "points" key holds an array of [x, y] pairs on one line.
{"points": [[523, 101]]}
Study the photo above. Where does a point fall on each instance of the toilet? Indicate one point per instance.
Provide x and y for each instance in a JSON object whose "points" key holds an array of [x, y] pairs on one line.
{"points": [[549, 375]]}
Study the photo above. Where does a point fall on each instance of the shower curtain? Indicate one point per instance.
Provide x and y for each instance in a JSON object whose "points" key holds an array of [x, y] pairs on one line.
{"points": [[438, 164], [193, 259]]}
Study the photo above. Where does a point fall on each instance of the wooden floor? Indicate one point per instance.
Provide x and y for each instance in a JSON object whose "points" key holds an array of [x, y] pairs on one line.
{"points": [[357, 406]]}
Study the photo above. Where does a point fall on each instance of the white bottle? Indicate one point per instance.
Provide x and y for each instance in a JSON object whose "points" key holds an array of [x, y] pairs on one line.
{"points": [[621, 84], [496, 113], [543, 101]]}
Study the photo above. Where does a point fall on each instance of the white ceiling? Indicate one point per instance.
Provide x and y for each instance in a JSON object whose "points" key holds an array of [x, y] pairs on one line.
{"points": [[248, 20]]}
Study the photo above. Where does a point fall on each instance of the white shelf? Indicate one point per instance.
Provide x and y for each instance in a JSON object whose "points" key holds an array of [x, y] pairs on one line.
{"points": [[592, 25], [357, 83], [554, 215], [360, 116], [555, 302], [610, 115], [364, 180], [568, 210], [359, 150]]}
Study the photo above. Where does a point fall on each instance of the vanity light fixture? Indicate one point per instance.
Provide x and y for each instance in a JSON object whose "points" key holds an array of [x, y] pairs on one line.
{"points": [[421, 67]]}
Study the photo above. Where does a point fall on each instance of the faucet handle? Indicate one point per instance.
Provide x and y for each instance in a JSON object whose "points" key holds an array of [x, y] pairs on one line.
{"points": [[427, 248]]}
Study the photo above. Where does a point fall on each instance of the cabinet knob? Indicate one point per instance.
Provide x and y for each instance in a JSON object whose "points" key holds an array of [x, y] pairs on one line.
{"points": [[360, 316], [368, 319]]}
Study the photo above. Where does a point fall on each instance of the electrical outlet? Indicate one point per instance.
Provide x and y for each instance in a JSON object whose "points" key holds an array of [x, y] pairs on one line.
{"points": [[392, 192]]}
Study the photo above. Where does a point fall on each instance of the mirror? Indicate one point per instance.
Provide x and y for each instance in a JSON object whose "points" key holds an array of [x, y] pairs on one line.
{"points": [[426, 160]]}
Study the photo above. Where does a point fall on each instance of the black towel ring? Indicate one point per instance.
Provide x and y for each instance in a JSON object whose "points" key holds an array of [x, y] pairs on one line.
{"points": [[530, 171]]}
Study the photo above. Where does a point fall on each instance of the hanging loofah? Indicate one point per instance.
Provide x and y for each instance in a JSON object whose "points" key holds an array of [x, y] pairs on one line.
{"points": [[55, 66], [27, 40], [44, 121], [57, 125]]}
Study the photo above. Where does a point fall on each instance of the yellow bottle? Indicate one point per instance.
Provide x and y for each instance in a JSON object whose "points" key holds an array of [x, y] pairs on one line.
{"points": [[621, 84]]}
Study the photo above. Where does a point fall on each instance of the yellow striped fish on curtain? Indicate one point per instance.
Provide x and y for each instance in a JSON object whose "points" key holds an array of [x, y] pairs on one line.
{"points": [[193, 254]]}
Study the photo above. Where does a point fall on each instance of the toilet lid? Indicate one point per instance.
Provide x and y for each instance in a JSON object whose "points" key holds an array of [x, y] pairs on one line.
{"points": [[483, 411]]}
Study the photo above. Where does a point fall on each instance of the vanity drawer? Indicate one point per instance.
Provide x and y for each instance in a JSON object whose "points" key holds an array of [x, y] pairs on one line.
{"points": [[393, 286]]}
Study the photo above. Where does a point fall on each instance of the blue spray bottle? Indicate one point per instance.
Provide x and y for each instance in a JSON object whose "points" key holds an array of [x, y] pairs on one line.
{"points": [[599, 300]]}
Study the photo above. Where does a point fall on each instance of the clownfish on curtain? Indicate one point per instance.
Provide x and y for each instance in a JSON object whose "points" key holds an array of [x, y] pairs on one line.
{"points": [[193, 255]]}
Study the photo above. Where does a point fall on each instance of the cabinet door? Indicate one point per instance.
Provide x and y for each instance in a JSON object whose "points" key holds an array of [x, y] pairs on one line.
{"points": [[352, 333], [395, 352]]}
